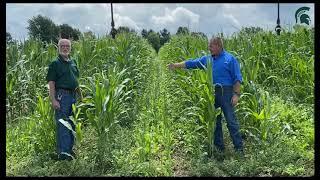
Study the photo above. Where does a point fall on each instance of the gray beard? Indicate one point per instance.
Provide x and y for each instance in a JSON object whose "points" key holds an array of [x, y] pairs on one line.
{"points": [[64, 57]]}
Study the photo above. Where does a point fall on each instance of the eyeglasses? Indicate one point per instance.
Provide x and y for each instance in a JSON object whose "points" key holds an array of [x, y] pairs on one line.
{"points": [[65, 46]]}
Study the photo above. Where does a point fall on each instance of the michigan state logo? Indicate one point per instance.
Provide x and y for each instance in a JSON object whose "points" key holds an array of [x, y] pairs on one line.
{"points": [[301, 16]]}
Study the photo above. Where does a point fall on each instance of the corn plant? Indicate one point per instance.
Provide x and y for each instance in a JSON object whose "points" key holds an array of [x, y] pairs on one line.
{"points": [[107, 93], [78, 134], [275, 62], [44, 128], [211, 112], [199, 84], [255, 105]]}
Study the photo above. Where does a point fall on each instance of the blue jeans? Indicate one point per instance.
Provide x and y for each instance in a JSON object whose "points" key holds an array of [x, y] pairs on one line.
{"points": [[65, 138], [223, 100]]}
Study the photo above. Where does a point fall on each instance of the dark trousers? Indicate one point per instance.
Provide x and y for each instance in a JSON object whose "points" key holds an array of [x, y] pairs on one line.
{"points": [[65, 137], [223, 98]]}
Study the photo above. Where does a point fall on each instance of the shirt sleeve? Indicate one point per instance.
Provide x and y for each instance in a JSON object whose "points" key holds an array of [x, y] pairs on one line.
{"points": [[199, 63], [51, 76], [235, 71]]}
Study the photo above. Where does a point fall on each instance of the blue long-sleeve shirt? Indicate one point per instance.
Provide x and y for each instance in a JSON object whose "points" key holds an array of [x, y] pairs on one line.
{"points": [[225, 68]]}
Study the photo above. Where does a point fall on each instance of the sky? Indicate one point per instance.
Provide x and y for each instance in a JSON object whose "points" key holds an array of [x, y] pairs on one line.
{"points": [[209, 18]]}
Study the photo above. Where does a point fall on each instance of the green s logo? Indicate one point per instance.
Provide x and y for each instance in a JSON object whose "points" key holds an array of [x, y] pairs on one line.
{"points": [[302, 16]]}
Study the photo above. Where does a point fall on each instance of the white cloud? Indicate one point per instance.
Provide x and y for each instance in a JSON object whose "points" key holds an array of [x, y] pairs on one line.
{"points": [[240, 15], [177, 16], [167, 18], [172, 19], [209, 18], [232, 18], [125, 21]]}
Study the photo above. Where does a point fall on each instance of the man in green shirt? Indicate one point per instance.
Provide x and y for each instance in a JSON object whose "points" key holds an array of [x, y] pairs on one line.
{"points": [[63, 77]]}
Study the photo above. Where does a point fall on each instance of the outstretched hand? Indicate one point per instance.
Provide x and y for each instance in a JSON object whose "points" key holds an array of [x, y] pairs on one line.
{"points": [[171, 66]]}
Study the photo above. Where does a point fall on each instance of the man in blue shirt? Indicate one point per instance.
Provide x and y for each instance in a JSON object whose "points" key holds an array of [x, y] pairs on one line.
{"points": [[226, 78]]}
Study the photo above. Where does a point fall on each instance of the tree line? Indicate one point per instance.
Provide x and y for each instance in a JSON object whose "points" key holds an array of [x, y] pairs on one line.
{"points": [[43, 28]]}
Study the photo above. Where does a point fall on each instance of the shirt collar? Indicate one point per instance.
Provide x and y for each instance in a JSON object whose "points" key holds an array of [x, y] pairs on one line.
{"points": [[61, 59], [217, 57]]}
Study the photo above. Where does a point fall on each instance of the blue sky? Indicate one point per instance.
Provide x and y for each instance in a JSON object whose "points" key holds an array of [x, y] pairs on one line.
{"points": [[209, 18]]}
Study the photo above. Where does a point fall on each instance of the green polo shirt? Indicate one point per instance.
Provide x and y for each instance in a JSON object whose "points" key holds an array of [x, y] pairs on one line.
{"points": [[65, 74]]}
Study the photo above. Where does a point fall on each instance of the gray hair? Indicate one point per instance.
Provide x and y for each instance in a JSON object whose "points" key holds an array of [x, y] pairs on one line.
{"points": [[217, 40], [60, 40]]}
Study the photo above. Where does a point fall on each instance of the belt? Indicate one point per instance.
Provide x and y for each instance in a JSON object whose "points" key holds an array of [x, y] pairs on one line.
{"points": [[223, 89], [218, 87], [69, 91]]}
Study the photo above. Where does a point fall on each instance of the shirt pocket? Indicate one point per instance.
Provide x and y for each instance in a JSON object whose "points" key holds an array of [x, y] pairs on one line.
{"points": [[227, 67]]}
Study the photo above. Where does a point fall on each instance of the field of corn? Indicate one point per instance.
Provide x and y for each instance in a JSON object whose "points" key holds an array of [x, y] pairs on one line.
{"points": [[138, 118]]}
